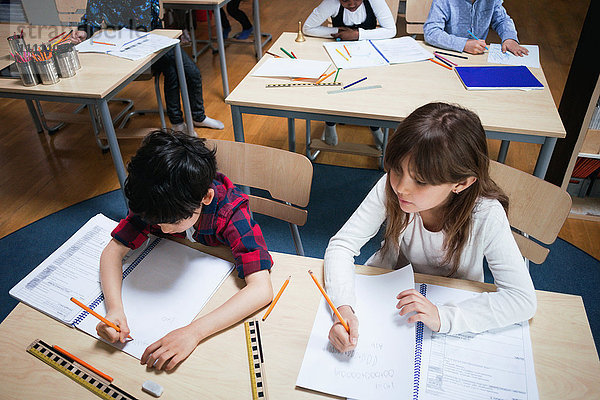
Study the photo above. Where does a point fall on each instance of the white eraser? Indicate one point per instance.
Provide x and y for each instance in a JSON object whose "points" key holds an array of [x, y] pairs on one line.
{"points": [[153, 388]]}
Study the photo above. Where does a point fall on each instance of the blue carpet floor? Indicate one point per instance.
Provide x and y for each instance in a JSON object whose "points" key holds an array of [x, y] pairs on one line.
{"points": [[335, 193]]}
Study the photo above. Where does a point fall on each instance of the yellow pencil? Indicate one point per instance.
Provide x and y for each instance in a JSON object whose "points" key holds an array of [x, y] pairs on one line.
{"points": [[276, 298], [337, 313], [338, 50]]}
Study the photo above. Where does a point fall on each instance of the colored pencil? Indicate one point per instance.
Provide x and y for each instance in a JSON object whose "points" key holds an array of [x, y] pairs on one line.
{"points": [[123, 48], [445, 59], [276, 298], [380, 53], [338, 50], [336, 75], [349, 55], [476, 38], [452, 55], [274, 55], [442, 60], [293, 54], [108, 44], [354, 83], [57, 36], [337, 313], [95, 314], [286, 53], [323, 78], [439, 63], [79, 361]]}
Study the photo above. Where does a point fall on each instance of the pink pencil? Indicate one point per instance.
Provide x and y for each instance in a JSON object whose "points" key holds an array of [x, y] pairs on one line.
{"points": [[445, 59]]}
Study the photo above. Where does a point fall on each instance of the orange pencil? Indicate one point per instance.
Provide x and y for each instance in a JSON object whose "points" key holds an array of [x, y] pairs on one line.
{"points": [[337, 313], [439, 63], [325, 77], [349, 55], [95, 314], [109, 44], [79, 361], [276, 298]]}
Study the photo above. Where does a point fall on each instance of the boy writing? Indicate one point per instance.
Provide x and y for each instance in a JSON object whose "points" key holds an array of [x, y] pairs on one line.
{"points": [[451, 25], [173, 188]]}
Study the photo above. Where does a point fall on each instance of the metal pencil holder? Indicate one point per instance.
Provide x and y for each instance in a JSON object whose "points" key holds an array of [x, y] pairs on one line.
{"points": [[28, 73], [47, 71], [65, 66], [16, 44], [74, 54]]}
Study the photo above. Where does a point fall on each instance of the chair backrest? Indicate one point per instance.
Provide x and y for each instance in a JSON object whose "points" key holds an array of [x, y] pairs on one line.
{"points": [[287, 176], [416, 15], [537, 208]]}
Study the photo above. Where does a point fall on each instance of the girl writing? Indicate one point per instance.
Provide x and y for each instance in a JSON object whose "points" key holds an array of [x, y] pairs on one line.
{"points": [[443, 214]]}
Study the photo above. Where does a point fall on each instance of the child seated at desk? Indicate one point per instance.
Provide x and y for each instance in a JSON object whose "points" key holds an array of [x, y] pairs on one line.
{"points": [[351, 20], [173, 188], [450, 21], [443, 214]]}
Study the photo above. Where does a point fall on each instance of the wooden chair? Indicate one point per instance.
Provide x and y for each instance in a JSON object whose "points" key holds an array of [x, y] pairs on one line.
{"points": [[287, 176], [537, 209], [416, 15]]}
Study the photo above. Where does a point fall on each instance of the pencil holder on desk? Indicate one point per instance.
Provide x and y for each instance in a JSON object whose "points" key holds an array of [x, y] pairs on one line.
{"points": [[28, 73], [74, 54], [64, 64], [16, 44], [47, 71]]}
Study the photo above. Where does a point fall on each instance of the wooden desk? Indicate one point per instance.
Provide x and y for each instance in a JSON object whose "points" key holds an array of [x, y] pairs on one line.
{"points": [[513, 115], [215, 6], [566, 362], [100, 78]]}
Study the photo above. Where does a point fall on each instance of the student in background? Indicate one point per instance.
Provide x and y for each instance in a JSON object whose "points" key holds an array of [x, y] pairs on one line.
{"points": [[450, 21], [351, 20], [233, 9], [443, 214], [173, 188], [144, 15]]}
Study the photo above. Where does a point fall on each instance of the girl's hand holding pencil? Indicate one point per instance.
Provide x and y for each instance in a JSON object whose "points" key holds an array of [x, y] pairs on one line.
{"points": [[341, 339]]}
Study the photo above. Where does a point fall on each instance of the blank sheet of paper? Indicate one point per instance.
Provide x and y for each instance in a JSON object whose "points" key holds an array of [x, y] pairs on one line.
{"points": [[291, 67]]}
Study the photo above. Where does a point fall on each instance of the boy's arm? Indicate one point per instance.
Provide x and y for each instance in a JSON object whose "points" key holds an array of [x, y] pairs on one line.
{"points": [[111, 273], [503, 24], [434, 28], [177, 345]]}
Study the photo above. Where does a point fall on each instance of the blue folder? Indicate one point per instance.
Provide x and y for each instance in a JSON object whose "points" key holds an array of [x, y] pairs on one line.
{"points": [[498, 77]]}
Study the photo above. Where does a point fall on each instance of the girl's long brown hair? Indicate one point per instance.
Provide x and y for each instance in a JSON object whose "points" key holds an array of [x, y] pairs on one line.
{"points": [[445, 144]]}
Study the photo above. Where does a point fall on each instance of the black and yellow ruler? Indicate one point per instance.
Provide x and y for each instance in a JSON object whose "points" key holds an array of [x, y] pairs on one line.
{"points": [[77, 372], [278, 85], [256, 360]]}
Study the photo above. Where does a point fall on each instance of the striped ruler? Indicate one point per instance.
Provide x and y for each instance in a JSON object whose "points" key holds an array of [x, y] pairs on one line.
{"points": [[255, 360], [80, 374], [276, 85]]}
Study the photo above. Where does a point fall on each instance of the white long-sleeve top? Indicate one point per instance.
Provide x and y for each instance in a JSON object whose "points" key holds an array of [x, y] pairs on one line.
{"points": [[330, 8], [491, 237]]}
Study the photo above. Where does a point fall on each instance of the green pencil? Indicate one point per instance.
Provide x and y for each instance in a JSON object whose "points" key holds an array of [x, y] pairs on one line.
{"points": [[288, 54], [336, 74]]}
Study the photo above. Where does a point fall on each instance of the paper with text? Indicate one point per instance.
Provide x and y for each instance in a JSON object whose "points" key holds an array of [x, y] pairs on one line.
{"points": [[532, 60], [165, 291], [497, 364], [381, 366], [291, 67]]}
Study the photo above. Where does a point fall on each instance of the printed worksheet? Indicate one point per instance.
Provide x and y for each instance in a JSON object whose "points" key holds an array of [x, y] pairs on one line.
{"points": [[381, 366], [532, 60]]}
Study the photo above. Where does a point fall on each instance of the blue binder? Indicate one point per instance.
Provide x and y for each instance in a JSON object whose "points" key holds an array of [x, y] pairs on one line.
{"points": [[498, 77]]}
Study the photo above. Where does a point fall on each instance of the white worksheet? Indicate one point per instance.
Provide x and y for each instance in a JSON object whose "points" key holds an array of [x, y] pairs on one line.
{"points": [[291, 68], [532, 60]]}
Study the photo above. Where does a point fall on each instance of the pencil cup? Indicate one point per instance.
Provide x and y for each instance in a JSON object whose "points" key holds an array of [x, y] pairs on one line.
{"points": [[16, 44], [64, 62], [74, 54], [28, 73], [47, 71]]}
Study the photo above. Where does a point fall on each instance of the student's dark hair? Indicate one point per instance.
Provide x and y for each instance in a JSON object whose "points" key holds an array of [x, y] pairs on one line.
{"points": [[169, 175], [443, 143]]}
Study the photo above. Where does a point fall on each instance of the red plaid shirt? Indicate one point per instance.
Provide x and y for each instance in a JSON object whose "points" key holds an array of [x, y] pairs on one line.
{"points": [[225, 221]]}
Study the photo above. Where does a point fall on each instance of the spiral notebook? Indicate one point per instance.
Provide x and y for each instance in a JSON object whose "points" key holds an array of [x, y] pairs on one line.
{"points": [[395, 360], [165, 284]]}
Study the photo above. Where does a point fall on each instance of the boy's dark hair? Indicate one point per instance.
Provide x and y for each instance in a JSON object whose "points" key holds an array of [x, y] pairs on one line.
{"points": [[169, 175]]}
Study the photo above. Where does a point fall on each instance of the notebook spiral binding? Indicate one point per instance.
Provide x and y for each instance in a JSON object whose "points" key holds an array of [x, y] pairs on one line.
{"points": [[418, 349], [127, 271]]}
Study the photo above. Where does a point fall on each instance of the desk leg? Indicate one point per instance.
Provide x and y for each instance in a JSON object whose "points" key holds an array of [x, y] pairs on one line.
{"points": [[541, 166], [187, 111], [113, 144], [34, 116], [292, 134], [257, 32], [238, 124], [221, 43]]}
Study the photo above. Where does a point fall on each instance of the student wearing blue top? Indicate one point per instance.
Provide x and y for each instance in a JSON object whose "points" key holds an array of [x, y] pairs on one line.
{"points": [[351, 20], [450, 21]]}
